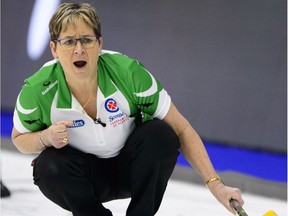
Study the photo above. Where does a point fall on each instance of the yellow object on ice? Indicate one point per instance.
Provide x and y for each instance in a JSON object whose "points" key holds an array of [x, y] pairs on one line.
{"points": [[270, 213]]}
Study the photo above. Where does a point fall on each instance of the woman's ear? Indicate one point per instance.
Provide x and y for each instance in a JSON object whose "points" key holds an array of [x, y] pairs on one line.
{"points": [[53, 49], [100, 44]]}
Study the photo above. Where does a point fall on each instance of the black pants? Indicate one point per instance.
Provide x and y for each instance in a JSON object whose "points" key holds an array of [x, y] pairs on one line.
{"points": [[81, 182]]}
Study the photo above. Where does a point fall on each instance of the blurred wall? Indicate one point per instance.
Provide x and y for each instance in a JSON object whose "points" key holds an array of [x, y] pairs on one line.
{"points": [[223, 62]]}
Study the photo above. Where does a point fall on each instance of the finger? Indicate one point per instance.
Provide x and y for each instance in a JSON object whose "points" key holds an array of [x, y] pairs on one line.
{"points": [[60, 145], [63, 140], [237, 208], [60, 128], [237, 196], [57, 128], [229, 207], [62, 134], [65, 122]]}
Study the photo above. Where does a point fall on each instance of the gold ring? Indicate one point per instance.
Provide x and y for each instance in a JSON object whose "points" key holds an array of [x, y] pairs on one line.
{"points": [[65, 140]]}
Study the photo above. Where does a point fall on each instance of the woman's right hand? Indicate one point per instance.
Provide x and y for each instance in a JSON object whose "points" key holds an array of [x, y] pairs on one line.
{"points": [[57, 134]]}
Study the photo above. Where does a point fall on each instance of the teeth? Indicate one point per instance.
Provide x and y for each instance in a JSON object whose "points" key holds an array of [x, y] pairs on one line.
{"points": [[80, 63]]}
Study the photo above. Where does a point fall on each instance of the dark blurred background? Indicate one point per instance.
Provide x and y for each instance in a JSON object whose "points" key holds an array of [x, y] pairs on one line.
{"points": [[223, 62]]}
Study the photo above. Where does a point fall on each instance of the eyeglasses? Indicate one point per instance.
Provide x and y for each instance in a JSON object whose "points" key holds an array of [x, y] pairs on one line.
{"points": [[70, 43]]}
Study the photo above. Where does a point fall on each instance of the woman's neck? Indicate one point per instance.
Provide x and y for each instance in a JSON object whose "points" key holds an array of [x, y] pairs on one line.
{"points": [[82, 86]]}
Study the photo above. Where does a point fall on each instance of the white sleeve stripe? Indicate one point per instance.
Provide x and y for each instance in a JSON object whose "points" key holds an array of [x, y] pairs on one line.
{"points": [[109, 52], [17, 123], [163, 105]]}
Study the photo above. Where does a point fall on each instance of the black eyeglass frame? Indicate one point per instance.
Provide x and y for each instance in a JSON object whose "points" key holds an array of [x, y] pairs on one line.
{"points": [[77, 39]]}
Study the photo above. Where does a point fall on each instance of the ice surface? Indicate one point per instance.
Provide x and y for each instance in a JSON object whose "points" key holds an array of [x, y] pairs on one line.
{"points": [[181, 198]]}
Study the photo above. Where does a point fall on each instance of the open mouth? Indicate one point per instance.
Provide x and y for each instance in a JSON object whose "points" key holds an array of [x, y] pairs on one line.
{"points": [[80, 64]]}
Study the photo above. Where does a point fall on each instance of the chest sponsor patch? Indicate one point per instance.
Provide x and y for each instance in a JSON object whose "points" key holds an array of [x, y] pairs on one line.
{"points": [[77, 123], [111, 105], [116, 117]]}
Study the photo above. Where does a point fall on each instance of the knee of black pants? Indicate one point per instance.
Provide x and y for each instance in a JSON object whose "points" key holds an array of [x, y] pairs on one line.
{"points": [[52, 165], [45, 167], [154, 138], [67, 170]]}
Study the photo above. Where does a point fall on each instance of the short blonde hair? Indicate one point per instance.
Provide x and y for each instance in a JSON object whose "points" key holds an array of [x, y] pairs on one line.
{"points": [[70, 13]]}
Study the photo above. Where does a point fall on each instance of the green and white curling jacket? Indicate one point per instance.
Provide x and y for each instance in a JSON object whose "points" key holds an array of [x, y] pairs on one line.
{"points": [[127, 94]]}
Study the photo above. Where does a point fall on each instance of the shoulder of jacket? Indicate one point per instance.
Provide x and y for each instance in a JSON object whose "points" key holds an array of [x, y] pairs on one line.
{"points": [[116, 58], [47, 73]]}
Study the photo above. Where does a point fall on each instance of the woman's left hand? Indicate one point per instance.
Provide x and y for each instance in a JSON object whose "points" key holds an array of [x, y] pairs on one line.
{"points": [[224, 194]]}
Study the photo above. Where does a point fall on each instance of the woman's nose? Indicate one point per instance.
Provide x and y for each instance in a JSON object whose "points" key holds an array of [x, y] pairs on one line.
{"points": [[79, 49]]}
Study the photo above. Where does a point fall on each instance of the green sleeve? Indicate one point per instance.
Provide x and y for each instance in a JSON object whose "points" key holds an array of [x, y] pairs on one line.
{"points": [[28, 110], [149, 94]]}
